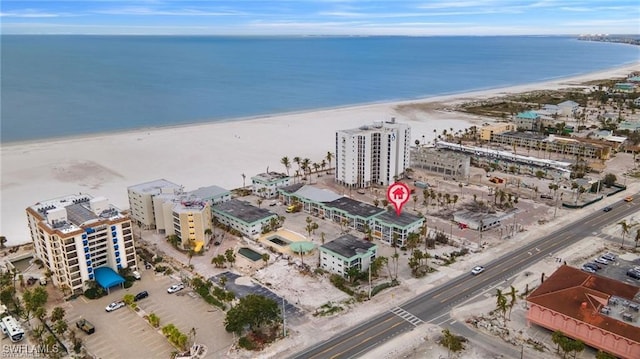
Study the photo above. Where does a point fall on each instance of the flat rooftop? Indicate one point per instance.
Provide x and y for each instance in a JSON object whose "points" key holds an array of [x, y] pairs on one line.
{"points": [[243, 211], [269, 176], [348, 246], [209, 192], [403, 220], [355, 208], [154, 186]]}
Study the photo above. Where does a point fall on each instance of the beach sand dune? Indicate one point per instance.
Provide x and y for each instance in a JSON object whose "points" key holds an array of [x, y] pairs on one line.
{"points": [[209, 153]]}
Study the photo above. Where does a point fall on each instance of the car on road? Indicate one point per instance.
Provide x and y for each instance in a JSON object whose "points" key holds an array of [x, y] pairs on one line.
{"points": [[175, 288], [136, 275], [113, 306], [601, 261], [628, 199], [607, 209], [141, 295], [588, 269], [477, 270]]}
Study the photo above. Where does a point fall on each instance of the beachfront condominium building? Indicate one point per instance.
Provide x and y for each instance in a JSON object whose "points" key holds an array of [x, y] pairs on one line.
{"points": [[266, 184], [244, 217], [141, 200], [77, 234], [187, 217], [346, 252], [375, 154]]}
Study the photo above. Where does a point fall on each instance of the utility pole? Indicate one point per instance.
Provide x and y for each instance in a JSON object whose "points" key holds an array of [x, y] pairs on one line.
{"points": [[284, 321], [369, 278]]}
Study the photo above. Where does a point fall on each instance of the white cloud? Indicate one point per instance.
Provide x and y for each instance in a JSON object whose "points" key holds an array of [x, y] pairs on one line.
{"points": [[146, 11], [31, 13]]}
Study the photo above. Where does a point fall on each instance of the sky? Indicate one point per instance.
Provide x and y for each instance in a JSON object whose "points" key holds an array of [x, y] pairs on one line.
{"points": [[321, 17]]}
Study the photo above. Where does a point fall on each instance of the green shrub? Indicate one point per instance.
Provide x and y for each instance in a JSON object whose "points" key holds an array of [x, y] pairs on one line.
{"points": [[94, 293], [380, 287], [246, 343]]}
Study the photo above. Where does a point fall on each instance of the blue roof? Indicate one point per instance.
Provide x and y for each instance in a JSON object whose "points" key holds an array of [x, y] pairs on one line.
{"points": [[532, 115], [107, 277]]}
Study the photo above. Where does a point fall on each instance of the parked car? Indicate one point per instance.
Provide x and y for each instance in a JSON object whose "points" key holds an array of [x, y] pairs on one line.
{"points": [[136, 275], [588, 269], [601, 260], [593, 266], [477, 270], [141, 295], [607, 209], [175, 288], [85, 326], [633, 274], [113, 306], [609, 256]]}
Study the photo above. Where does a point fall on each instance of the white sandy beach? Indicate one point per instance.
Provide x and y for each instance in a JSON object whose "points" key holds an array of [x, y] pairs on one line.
{"points": [[206, 154]]}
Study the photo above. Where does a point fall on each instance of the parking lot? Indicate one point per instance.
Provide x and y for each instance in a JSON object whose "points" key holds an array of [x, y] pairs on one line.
{"points": [[124, 333], [617, 270]]}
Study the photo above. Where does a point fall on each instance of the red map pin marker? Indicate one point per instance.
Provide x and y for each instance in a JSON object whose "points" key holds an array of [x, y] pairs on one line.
{"points": [[398, 194]]}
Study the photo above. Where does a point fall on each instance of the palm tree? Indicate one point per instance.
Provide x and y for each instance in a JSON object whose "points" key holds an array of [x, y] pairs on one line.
{"points": [[512, 299], [501, 303], [329, 158], [624, 227], [305, 165], [285, 162], [297, 160], [316, 167]]}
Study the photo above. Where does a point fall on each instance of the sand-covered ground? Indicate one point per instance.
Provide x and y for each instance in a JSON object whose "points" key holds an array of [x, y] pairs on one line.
{"points": [[206, 154]]}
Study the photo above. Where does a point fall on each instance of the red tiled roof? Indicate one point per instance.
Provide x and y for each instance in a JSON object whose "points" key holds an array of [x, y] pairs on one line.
{"points": [[580, 295]]}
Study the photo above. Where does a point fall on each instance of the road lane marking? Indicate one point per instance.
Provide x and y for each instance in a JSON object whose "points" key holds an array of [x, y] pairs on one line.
{"points": [[393, 317], [367, 339]]}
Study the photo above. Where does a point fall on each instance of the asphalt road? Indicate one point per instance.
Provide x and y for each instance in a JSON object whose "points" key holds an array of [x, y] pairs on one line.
{"points": [[437, 302]]}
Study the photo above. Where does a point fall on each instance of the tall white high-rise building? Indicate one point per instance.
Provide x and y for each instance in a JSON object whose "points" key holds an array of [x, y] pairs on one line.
{"points": [[372, 154], [77, 235]]}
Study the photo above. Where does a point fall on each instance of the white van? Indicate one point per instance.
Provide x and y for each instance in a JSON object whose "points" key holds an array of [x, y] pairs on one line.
{"points": [[136, 275]]}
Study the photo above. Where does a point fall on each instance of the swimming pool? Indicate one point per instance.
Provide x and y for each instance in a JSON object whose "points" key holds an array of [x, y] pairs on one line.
{"points": [[250, 254], [279, 241]]}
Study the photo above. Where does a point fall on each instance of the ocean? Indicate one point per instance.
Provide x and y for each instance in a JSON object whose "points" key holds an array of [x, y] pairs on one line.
{"points": [[53, 86]]}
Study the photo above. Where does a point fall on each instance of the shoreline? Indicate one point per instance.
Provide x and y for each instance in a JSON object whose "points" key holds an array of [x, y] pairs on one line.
{"points": [[213, 153], [593, 75]]}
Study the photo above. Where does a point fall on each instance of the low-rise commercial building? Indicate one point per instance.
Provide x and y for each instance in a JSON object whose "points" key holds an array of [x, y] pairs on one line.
{"points": [[346, 252], [563, 145], [243, 217], [599, 311], [76, 235], [445, 163]]}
